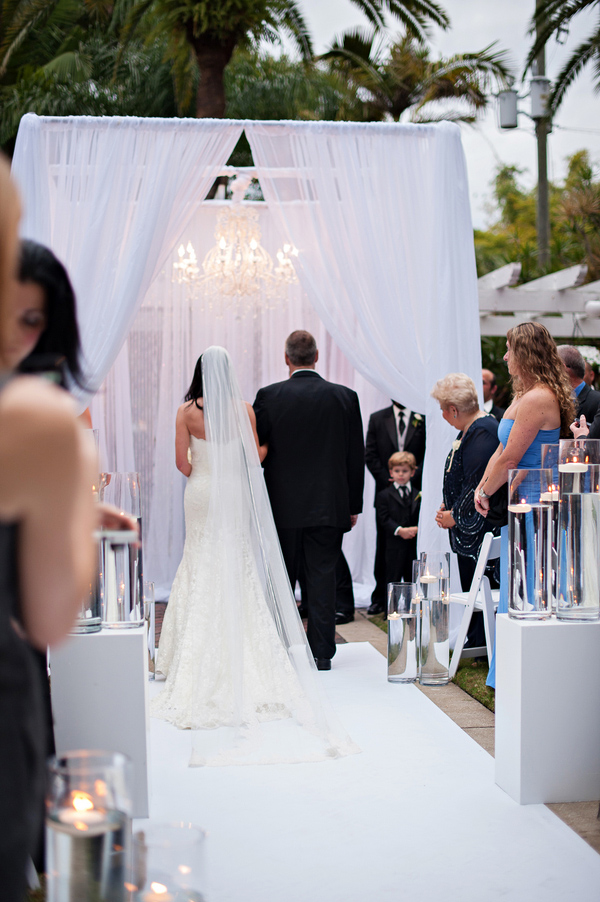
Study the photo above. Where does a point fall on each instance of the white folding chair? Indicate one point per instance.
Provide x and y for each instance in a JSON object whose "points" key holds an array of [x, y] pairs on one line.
{"points": [[480, 597]]}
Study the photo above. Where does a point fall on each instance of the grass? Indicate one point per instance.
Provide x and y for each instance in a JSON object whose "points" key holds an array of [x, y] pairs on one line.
{"points": [[470, 676]]}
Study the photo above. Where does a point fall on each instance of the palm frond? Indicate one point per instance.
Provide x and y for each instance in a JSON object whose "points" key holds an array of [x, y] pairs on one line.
{"points": [[550, 17], [572, 68]]}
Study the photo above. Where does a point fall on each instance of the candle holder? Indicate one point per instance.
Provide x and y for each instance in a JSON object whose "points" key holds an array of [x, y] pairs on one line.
{"points": [[168, 864], [88, 827], [89, 618], [579, 530], [149, 616], [530, 544], [434, 653], [402, 632], [123, 490], [550, 455], [122, 606]]}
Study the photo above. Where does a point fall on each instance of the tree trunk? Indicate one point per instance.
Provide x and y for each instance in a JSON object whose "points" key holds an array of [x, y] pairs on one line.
{"points": [[212, 59]]}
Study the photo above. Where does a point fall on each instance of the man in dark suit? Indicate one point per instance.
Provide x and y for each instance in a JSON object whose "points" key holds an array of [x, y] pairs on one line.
{"points": [[586, 398], [489, 395], [314, 471], [391, 429]]}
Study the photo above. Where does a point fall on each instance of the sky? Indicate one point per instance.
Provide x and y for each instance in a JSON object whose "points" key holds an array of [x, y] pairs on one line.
{"points": [[474, 25]]}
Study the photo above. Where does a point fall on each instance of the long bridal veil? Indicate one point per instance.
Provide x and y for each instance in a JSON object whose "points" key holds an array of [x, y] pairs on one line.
{"points": [[254, 605]]}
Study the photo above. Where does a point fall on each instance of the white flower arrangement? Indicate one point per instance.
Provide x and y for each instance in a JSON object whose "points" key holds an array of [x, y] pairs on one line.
{"points": [[589, 353]]}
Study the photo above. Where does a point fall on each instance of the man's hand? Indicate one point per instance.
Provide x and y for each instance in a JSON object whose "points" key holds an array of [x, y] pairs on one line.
{"points": [[406, 532], [579, 428], [353, 520]]}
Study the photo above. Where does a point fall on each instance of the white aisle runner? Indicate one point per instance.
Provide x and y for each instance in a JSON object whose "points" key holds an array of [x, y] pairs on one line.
{"points": [[416, 817]]}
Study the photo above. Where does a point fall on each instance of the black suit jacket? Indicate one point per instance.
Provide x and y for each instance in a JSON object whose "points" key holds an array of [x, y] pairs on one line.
{"points": [[497, 412], [315, 466], [588, 403], [394, 511], [382, 442]]}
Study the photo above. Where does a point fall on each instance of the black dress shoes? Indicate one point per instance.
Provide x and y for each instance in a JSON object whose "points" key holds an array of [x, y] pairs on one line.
{"points": [[376, 608], [343, 618], [323, 663]]}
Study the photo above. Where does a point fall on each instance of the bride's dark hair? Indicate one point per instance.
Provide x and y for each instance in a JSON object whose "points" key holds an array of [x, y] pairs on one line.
{"points": [[195, 390]]}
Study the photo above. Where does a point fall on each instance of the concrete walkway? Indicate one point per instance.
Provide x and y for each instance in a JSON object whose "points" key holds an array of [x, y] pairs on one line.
{"points": [[478, 722]]}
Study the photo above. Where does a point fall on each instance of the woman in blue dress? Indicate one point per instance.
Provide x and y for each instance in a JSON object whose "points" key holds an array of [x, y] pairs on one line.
{"points": [[540, 413]]}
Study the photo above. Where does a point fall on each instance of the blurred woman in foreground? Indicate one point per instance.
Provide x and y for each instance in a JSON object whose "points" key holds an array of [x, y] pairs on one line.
{"points": [[46, 555]]}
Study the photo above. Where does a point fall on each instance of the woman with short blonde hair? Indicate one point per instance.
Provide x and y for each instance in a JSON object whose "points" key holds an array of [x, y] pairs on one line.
{"points": [[476, 441]]}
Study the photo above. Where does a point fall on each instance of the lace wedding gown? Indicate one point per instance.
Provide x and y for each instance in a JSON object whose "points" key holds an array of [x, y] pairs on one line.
{"points": [[195, 644], [239, 672]]}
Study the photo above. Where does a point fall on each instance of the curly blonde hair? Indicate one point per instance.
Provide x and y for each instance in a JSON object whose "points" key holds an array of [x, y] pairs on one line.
{"points": [[457, 389], [534, 352]]}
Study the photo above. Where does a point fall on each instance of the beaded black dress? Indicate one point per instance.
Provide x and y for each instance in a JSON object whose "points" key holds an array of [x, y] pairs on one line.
{"points": [[465, 465]]}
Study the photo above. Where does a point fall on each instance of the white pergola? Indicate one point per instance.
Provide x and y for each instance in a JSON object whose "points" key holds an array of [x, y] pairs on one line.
{"points": [[559, 301]]}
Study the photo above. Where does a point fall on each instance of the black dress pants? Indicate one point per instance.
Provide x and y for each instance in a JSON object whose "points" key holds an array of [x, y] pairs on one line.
{"points": [[379, 594], [313, 552]]}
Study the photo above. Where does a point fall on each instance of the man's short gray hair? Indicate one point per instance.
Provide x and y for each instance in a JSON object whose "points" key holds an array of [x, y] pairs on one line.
{"points": [[573, 359]]}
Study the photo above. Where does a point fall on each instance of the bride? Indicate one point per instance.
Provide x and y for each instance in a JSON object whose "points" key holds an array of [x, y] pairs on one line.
{"points": [[238, 668]]}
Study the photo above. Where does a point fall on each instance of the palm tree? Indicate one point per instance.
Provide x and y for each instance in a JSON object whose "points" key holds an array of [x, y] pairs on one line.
{"points": [[212, 30], [405, 78], [553, 17]]}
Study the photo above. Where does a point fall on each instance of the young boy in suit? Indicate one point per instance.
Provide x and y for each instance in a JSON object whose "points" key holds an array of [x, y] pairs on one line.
{"points": [[398, 512]]}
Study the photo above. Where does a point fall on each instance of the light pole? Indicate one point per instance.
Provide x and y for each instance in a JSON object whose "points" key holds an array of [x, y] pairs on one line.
{"points": [[539, 90], [542, 129]]}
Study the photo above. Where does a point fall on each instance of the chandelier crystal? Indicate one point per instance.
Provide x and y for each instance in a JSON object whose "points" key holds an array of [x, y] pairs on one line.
{"points": [[238, 272]]}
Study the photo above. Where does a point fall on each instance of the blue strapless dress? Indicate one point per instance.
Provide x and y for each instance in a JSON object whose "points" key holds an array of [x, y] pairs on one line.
{"points": [[532, 458]]}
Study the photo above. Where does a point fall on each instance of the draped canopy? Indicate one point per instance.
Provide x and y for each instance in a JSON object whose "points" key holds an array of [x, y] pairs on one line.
{"points": [[379, 212]]}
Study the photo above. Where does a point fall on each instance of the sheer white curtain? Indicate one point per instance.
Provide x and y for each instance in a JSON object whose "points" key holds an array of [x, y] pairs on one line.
{"points": [[380, 215], [109, 195], [174, 325]]}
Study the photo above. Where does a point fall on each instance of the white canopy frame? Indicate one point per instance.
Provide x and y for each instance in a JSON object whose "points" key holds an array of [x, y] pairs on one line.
{"points": [[380, 213]]}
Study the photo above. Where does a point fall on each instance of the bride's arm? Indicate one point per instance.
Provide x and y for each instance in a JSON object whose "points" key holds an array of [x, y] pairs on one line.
{"points": [[182, 444], [262, 449]]}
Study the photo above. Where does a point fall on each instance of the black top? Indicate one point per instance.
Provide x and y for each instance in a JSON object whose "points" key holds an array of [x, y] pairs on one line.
{"points": [[315, 467], [462, 472], [382, 442], [22, 738]]}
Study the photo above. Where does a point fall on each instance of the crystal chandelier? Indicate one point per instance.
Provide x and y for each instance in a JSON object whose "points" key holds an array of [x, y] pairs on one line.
{"points": [[238, 272]]}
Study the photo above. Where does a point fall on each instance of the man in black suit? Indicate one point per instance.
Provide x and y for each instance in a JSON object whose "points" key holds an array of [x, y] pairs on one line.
{"points": [[391, 429], [489, 395], [314, 472], [586, 398]]}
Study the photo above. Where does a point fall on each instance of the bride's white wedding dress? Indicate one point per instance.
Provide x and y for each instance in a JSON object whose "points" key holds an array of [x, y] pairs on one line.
{"points": [[239, 672], [195, 646]]}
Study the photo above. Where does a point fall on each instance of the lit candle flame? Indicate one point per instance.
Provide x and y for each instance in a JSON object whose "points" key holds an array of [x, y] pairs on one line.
{"points": [[81, 801], [158, 888]]}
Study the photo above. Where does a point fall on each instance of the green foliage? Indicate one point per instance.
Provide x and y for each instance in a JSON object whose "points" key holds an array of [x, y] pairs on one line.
{"points": [[553, 18], [574, 223], [471, 676], [405, 77], [263, 87]]}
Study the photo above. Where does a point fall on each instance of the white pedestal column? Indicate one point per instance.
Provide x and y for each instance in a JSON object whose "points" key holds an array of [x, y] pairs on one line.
{"points": [[548, 710], [100, 699]]}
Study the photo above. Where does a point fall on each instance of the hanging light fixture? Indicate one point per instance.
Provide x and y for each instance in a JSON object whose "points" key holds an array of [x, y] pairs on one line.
{"points": [[238, 272]]}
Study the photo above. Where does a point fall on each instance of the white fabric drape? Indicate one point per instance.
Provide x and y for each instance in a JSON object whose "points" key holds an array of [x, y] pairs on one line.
{"points": [[381, 217], [173, 326], [109, 195]]}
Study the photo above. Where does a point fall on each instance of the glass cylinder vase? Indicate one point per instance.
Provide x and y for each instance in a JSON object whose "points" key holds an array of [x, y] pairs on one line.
{"points": [[579, 530], [434, 652], [88, 827], [89, 618], [529, 544], [402, 632], [169, 863], [122, 604], [550, 454], [123, 490]]}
